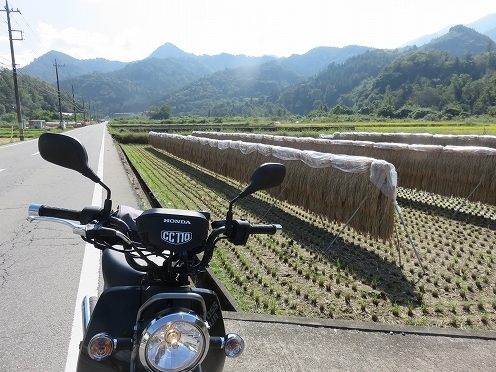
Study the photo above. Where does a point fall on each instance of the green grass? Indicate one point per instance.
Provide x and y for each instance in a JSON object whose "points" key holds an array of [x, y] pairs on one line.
{"points": [[7, 135], [449, 127], [309, 128], [129, 136]]}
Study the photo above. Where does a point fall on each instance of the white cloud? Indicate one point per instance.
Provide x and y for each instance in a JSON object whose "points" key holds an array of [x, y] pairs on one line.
{"points": [[81, 44]]}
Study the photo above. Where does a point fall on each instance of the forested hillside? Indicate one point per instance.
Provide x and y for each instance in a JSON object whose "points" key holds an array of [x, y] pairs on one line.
{"points": [[414, 83], [133, 87], [38, 98], [307, 64], [433, 80], [317, 59], [136, 86], [391, 85], [327, 88], [461, 40], [232, 91]]}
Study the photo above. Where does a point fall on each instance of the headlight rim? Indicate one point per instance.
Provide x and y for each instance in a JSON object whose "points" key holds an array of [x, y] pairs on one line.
{"points": [[160, 321]]}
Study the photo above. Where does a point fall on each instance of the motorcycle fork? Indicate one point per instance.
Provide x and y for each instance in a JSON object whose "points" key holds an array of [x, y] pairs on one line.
{"points": [[87, 307]]}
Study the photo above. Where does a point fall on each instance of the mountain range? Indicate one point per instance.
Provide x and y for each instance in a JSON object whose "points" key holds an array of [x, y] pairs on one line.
{"points": [[485, 26], [198, 85], [307, 64]]}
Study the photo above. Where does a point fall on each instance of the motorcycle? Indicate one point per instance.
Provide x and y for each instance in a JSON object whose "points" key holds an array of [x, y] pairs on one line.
{"points": [[149, 316]]}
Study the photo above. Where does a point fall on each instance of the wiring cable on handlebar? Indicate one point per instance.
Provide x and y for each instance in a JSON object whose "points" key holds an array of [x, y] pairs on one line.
{"points": [[209, 251], [131, 251]]}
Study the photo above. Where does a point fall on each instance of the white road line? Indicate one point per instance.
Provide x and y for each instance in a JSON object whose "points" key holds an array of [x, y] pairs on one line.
{"points": [[12, 144], [2, 170], [36, 153], [17, 143], [88, 281]]}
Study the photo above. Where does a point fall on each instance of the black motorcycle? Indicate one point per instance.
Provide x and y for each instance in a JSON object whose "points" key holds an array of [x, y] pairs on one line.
{"points": [[149, 316]]}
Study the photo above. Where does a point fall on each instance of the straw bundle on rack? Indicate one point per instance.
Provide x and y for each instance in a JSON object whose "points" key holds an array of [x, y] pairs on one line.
{"points": [[446, 170], [331, 185]]}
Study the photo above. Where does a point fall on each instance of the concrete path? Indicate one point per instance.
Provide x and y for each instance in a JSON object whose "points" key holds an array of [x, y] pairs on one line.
{"points": [[280, 344]]}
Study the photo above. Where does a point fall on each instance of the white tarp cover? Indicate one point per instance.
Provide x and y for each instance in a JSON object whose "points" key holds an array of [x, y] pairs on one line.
{"points": [[323, 140], [381, 173]]}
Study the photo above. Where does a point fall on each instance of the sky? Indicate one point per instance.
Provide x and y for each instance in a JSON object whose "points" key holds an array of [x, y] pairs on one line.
{"points": [[125, 30]]}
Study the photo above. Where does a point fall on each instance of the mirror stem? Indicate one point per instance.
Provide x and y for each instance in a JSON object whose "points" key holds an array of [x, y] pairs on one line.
{"points": [[107, 206], [229, 219], [106, 188]]}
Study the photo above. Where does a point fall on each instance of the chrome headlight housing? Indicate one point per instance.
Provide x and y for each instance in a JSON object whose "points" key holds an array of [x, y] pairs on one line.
{"points": [[175, 342]]}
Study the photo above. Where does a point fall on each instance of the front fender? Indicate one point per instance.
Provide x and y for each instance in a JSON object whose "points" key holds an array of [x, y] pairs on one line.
{"points": [[115, 314]]}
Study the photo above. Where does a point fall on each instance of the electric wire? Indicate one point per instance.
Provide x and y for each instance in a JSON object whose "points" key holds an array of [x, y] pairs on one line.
{"points": [[34, 48]]}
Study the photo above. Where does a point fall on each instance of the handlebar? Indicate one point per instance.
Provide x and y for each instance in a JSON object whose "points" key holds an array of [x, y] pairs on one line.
{"points": [[65, 216], [240, 230], [45, 211], [84, 216], [266, 229], [91, 228]]}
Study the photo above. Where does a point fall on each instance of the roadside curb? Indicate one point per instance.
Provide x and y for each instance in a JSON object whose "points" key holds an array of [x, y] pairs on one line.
{"points": [[360, 326]]}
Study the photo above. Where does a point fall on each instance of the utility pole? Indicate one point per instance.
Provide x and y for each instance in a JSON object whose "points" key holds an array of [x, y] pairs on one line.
{"points": [[74, 106], [61, 124], [89, 110], [14, 70], [84, 113]]}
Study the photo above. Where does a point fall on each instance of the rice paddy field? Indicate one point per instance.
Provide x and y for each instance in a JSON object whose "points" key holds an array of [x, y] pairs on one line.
{"points": [[357, 277], [11, 135]]}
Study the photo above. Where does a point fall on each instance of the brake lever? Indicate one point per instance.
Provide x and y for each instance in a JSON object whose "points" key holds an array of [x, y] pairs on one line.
{"points": [[88, 231], [76, 228]]}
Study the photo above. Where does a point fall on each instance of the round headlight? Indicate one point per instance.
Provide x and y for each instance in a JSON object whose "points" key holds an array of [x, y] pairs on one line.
{"points": [[174, 343]]}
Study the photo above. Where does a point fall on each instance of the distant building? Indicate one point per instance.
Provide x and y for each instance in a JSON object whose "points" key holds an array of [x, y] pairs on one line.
{"points": [[37, 124], [123, 114]]}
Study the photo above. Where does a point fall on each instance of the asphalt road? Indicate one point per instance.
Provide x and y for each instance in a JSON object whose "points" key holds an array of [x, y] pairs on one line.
{"points": [[40, 263]]}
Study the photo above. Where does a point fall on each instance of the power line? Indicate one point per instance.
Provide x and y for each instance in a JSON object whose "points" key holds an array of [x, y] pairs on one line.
{"points": [[33, 46], [43, 88], [5, 59], [49, 90]]}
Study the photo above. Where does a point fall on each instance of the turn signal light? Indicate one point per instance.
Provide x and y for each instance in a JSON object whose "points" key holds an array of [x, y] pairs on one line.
{"points": [[100, 346], [234, 345]]}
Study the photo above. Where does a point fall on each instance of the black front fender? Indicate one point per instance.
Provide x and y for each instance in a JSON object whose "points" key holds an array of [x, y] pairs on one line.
{"points": [[115, 314]]}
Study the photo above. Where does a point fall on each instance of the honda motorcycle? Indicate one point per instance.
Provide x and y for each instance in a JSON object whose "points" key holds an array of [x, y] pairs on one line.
{"points": [[149, 316]]}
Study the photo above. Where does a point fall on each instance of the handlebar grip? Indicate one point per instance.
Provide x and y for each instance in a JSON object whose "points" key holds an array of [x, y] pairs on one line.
{"points": [[266, 229], [46, 211]]}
